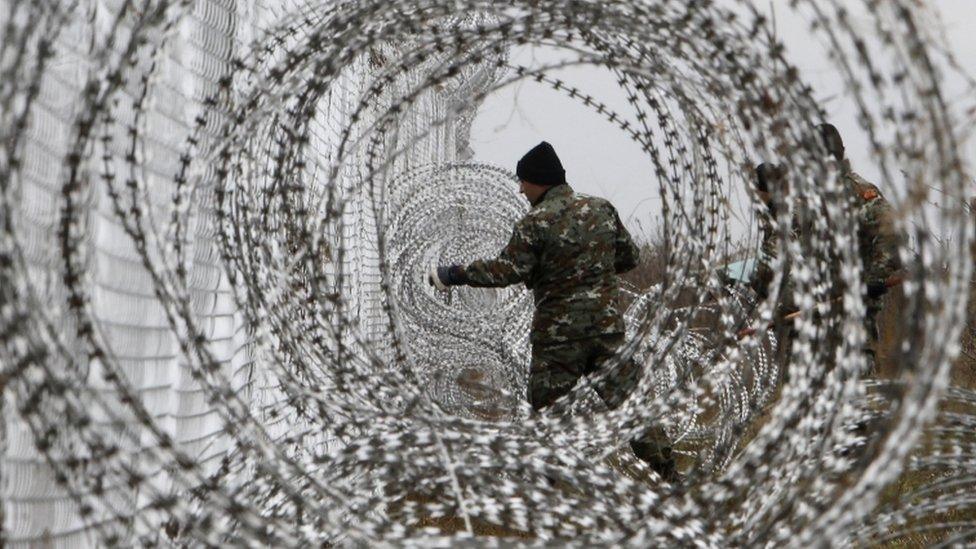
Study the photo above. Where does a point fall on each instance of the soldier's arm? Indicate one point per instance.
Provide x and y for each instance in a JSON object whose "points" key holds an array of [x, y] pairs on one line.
{"points": [[626, 253], [514, 264], [882, 260]]}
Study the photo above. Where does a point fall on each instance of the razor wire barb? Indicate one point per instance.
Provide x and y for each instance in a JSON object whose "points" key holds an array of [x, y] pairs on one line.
{"points": [[215, 326]]}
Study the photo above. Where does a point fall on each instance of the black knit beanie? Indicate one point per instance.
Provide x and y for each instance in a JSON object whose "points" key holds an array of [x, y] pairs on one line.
{"points": [[541, 166]]}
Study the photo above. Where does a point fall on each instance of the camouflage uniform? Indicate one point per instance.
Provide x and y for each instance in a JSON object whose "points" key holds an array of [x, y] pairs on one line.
{"points": [[877, 243], [877, 239], [783, 329], [568, 250], [878, 246], [769, 251]]}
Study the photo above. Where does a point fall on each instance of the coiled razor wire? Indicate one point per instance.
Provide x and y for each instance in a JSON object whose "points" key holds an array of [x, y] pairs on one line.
{"points": [[215, 329]]}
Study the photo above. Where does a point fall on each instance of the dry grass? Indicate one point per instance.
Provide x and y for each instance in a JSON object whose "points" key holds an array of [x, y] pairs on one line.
{"points": [[963, 375], [454, 525], [651, 268]]}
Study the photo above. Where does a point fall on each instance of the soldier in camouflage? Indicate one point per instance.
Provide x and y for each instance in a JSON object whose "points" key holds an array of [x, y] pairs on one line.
{"points": [[769, 179], [568, 250], [876, 237]]}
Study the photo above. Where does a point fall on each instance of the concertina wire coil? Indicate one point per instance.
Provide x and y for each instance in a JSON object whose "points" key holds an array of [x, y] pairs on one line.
{"points": [[215, 326]]}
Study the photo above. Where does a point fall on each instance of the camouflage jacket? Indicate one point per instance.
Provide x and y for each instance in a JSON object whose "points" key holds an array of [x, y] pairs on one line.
{"points": [[876, 236], [568, 250]]}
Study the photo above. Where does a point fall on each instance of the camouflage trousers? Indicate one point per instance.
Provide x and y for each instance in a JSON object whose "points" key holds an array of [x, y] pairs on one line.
{"points": [[558, 367], [873, 341]]}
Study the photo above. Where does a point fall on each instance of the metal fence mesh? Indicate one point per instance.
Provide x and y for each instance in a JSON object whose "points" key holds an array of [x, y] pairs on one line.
{"points": [[215, 327]]}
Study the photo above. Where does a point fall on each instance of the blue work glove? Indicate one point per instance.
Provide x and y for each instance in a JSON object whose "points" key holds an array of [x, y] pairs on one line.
{"points": [[442, 277]]}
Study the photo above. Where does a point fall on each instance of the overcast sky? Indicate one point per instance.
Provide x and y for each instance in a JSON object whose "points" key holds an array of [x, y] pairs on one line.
{"points": [[602, 160]]}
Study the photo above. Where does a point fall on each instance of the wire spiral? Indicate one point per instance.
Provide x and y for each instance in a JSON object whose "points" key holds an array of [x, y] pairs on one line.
{"points": [[215, 326]]}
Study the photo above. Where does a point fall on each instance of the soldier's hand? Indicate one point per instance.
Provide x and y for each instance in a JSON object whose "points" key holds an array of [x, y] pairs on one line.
{"points": [[442, 277]]}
